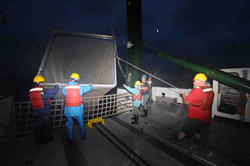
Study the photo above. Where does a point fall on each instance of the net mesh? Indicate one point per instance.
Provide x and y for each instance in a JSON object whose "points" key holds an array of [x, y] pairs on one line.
{"points": [[91, 57]]}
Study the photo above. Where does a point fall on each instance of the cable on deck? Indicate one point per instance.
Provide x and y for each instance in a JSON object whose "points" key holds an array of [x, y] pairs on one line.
{"points": [[184, 156], [132, 155]]}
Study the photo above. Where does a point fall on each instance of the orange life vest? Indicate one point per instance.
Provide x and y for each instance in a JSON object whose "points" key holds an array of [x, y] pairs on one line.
{"points": [[36, 99], [73, 97], [139, 97]]}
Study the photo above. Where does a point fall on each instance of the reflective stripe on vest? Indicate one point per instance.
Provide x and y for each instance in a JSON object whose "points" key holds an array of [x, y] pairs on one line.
{"points": [[73, 97], [207, 101], [208, 89], [36, 99], [36, 89]]}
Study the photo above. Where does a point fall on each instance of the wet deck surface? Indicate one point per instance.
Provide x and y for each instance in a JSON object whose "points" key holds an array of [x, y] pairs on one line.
{"points": [[226, 143]]}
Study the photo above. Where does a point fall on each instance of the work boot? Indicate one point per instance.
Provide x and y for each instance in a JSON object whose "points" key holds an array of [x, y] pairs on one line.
{"points": [[83, 137], [145, 113], [136, 120], [51, 138], [69, 142], [133, 118], [197, 143], [175, 140]]}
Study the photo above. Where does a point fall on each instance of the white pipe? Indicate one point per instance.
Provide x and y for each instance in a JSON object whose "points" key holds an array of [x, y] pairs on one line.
{"points": [[94, 85]]}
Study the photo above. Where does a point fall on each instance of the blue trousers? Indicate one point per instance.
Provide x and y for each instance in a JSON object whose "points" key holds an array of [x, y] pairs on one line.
{"points": [[42, 129], [145, 101], [70, 125]]}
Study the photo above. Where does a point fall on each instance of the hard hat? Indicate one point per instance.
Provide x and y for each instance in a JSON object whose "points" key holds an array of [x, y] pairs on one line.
{"points": [[144, 76], [138, 83], [200, 76], [38, 79], [75, 76]]}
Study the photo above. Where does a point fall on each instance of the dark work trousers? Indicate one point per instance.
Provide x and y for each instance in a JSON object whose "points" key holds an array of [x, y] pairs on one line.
{"points": [[42, 129]]}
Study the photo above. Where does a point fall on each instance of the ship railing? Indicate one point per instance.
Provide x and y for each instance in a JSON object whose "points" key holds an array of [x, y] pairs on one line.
{"points": [[94, 107]]}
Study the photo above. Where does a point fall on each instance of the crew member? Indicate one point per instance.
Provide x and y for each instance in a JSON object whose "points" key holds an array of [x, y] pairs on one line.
{"points": [[136, 97], [150, 86], [199, 101], [73, 104], [145, 95], [40, 100]]}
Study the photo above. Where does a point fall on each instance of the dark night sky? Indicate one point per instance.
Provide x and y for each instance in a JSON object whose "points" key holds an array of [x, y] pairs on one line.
{"points": [[212, 33]]}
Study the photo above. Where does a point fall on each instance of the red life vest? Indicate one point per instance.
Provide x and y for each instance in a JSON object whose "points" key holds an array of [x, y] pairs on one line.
{"points": [[36, 99], [139, 97], [207, 100], [50, 101], [201, 109], [73, 97]]}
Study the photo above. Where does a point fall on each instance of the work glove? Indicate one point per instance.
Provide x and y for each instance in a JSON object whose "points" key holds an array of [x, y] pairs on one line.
{"points": [[182, 92]]}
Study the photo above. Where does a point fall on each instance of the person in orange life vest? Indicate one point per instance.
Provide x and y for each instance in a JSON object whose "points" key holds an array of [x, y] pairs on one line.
{"points": [[73, 104], [136, 97], [150, 85], [40, 100], [145, 95], [199, 101]]}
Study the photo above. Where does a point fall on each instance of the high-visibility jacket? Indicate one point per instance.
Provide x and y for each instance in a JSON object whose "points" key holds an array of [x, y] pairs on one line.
{"points": [[73, 97], [139, 97], [36, 99]]}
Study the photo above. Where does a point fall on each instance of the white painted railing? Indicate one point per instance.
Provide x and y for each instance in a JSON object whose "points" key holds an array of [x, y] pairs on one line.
{"points": [[101, 106]]}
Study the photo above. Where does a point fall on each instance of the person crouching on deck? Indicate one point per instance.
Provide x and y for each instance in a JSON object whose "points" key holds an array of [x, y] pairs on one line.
{"points": [[199, 101], [73, 104], [136, 97]]}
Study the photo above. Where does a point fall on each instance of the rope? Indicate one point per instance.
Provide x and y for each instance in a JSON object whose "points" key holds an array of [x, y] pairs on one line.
{"points": [[121, 69], [112, 30], [149, 74], [113, 34]]}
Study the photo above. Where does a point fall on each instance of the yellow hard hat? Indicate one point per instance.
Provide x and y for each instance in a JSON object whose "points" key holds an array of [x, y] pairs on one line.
{"points": [[38, 79], [75, 76], [138, 83], [200, 76]]}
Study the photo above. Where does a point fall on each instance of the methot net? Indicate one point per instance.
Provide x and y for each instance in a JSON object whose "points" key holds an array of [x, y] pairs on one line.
{"points": [[91, 56]]}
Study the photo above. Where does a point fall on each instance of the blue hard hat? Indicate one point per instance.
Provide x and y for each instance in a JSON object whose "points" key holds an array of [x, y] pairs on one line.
{"points": [[144, 76]]}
